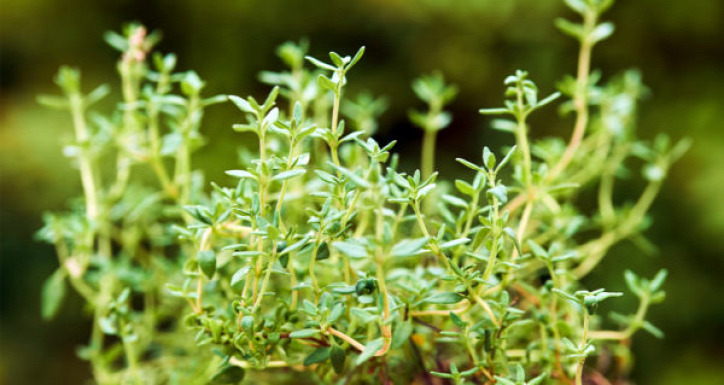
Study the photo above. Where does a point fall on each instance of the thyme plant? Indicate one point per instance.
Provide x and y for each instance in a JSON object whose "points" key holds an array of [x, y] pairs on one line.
{"points": [[319, 255]]}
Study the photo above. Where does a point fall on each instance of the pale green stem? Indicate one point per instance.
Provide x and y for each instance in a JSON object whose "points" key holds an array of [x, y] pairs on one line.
{"points": [[494, 251], [264, 283], [596, 249], [335, 120], [635, 324], [580, 101], [282, 191], [584, 339], [84, 159], [312, 261], [428, 153]]}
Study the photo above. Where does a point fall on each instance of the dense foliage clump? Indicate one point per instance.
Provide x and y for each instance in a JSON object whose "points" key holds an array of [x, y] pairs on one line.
{"points": [[323, 256]]}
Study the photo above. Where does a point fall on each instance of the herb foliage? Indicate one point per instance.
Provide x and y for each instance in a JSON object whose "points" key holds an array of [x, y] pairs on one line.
{"points": [[322, 256]]}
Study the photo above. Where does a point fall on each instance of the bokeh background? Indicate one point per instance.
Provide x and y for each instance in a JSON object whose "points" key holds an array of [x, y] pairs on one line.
{"points": [[679, 46]]}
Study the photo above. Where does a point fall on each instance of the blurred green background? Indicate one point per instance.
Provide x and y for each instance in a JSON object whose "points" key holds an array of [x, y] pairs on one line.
{"points": [[679, 46]]}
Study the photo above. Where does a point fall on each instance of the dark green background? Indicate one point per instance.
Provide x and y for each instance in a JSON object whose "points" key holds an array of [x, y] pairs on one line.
{"points": [[677, 44]]}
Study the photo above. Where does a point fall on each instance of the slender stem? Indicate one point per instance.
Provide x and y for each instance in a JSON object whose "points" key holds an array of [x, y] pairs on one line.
{"points": [[353, 342], [420, 313], [244, 364], [584, 339], [633, 326], [428, 153], [206, 239], [494, 251], [521, 137], [293, 281], [595, 250], [312, 276], [485, 307], [423, 227], [75, 274], [556, 333], [84, 159], [471, 215], [131, 356], [335, 120], [605, 191], [269, 269], [335, 105], [283, 190], [380, 262], [580, 101], [155, 152], [522, 226], [130, 84]]}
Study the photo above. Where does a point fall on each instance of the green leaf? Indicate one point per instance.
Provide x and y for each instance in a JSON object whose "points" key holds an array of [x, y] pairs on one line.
{"points": [[304, 333], [52, 101], [247, 323], [469, 164], [317, 356], [356, 58], [97, 94], [239, 277], [207, 262], [402, 334], [352, 250], [538, 251], [499, 192], [327, 83], [567, 296], [336, 59], [649, 327], [493, 111], [548, 100], [337, 356], [356, 179], [363, 315], [577, 5], [464, 187], [408, 247], [633, 282], [242, 104], [455, 201], [488, 158], [322, 251], [445, 298], [241, 174], [510, 233], [295, 246], [602, 31], [424, 191], [506, 159], [504, 125], [570, 28], [320, 64], [503, 381], [454, 243], [229, 374], [191, 83], [653, 173], [457, 320], [53, 292], [658, 280], [288, 174], [442, 375], [271, 117], [336, 312], [370, 349], [116, 41]]}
